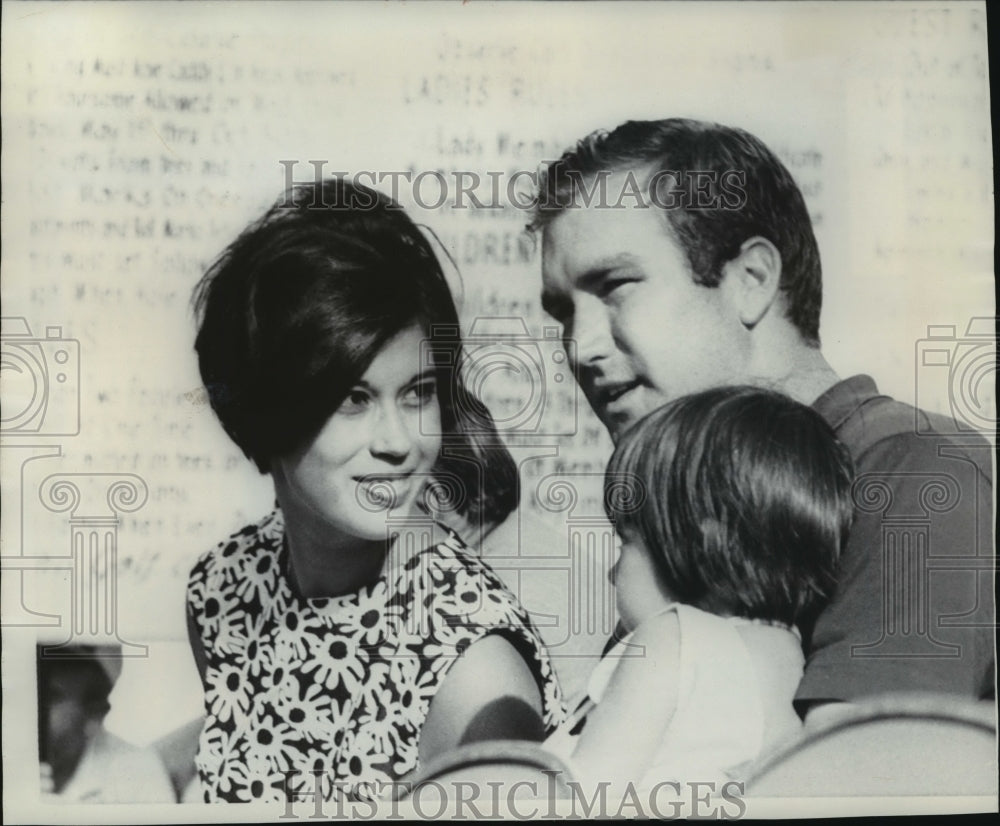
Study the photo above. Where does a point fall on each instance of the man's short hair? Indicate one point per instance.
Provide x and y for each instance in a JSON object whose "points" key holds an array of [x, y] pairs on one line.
{"points": [[748, 193]]}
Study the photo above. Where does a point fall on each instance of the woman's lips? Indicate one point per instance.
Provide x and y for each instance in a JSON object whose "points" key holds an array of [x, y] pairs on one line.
{"points": [[385, 490]]}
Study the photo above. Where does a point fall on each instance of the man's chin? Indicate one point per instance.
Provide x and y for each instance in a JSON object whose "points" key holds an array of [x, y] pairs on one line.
{"points": [[618, 417], [618, 422]]}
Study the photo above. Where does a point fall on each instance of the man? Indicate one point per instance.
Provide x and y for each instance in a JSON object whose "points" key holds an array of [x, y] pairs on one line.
{"points": [[679, 255]]}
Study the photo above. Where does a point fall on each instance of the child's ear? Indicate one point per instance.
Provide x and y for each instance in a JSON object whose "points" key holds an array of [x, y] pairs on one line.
{"points": [[752, 278]]}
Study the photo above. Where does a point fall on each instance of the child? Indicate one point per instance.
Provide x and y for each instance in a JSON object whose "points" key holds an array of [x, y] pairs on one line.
{"points": [[741, 501]]}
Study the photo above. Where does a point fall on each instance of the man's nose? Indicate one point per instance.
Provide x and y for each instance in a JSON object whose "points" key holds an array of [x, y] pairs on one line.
{"points": [[591, 335], [391, 438]]}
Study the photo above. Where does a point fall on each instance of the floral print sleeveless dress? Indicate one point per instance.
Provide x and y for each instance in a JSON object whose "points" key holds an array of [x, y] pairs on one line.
{"points": [[334, 691]]}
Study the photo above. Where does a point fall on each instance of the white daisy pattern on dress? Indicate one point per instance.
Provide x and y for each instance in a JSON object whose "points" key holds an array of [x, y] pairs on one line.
{"points": [[341, 685]]}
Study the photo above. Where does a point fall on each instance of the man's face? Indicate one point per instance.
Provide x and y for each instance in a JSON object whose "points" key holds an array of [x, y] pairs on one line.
{"points": [[645, 333]]}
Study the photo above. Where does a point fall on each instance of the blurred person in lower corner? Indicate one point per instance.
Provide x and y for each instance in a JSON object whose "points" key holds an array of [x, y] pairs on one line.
{"points": [[81, 761]]}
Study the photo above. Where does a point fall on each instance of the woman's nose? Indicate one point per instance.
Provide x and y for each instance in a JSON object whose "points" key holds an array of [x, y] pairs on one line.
{"points": [[391, 439]]}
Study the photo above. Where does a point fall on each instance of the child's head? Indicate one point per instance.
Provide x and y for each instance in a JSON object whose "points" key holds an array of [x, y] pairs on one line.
{"points": [[743, 507]]}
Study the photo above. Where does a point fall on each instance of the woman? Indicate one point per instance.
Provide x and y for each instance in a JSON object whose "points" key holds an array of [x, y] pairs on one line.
{"points": [[331, 650]]}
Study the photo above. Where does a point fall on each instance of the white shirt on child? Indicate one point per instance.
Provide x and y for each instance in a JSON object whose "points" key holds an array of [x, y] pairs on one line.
{"points": [[734, 699]]}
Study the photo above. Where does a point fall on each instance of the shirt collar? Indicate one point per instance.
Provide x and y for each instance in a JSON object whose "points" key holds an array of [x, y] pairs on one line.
{"points": [[840, 402]]}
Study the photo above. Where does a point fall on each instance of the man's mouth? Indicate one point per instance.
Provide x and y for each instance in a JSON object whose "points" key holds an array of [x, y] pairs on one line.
{"points": [[609, 395]]}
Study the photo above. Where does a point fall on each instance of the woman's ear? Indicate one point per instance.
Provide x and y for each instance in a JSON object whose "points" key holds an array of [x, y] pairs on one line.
{"points": [[752, 279]]}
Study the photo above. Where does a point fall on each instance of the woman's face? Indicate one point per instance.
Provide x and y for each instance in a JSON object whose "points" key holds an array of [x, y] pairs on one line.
{"points": [[372, 458]]}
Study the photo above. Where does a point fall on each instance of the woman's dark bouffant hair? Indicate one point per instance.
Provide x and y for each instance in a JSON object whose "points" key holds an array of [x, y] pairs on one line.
{"points": [[745, 505], [292, 313]]}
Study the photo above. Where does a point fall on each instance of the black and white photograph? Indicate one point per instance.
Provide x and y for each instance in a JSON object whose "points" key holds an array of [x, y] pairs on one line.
{"points": [[497, 410]]}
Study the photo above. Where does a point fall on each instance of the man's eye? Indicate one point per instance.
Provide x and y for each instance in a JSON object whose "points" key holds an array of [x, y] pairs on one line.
{"points": [[559, 310], [615, 286]]}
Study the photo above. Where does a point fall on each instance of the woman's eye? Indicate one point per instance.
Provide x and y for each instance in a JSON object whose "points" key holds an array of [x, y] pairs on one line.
{"points": [[420, 394], [354, 402]]}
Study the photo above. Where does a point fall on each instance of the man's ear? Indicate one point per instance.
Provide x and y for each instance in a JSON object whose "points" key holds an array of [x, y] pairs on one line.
{"points": [[752, 279]]}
